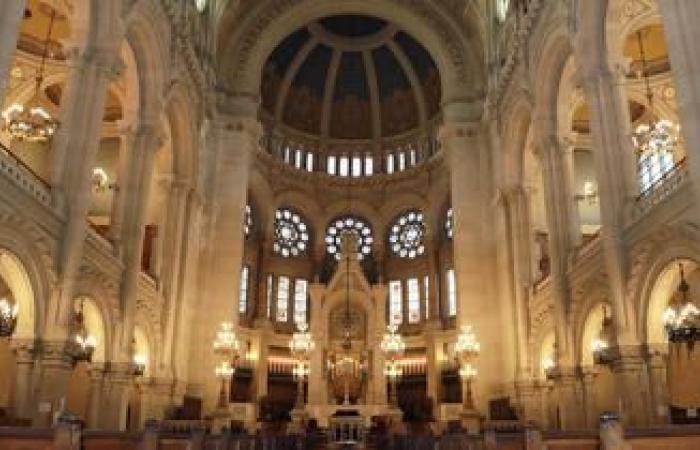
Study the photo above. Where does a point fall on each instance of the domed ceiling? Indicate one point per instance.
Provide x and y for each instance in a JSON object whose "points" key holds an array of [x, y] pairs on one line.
{"points": [[351, 77]]}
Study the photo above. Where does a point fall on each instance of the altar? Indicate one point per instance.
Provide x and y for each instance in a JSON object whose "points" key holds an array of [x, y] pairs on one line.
{"points": [[347, 322]]}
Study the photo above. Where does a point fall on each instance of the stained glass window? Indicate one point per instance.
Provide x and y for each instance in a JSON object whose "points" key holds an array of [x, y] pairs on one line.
{"points": [[349, 223], [300, 300], [282, 299], [291, 233], [413, 289], [451, 293], [406, 235], [449, 223], [269, 294], [426, 296], [395, 302], [247, 220], [243, 294]]}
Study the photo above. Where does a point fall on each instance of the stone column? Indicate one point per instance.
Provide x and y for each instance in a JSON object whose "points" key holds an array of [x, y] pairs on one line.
{"points": [[11, 15], [55, 372], [74, 148], [518, 230], [658, 382], [680, 19], [556, 196], [530, 400], [569, 177], [318, 390], [590, 405], [616, 173], [432, 366], [463, 144], [148, 140], [377, 378], [189, 290], [95, 396], [569, 400], [171, 275], [236, 135], [119, 205], [432, 252], [24, 378], [118, 382], [632, 382]]}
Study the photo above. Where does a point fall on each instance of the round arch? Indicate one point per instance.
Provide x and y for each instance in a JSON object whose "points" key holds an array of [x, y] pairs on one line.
{"points": [[248, 46]]}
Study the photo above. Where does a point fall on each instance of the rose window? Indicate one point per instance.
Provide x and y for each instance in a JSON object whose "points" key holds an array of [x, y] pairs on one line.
{"points": [[291, 234], [407, 234], [354, 224]]}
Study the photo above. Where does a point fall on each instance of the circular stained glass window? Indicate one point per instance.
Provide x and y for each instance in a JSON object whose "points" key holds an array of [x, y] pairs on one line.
{"points": [[407, 234], [248, 220], [449, 223], [291, 233], [349, 223]]}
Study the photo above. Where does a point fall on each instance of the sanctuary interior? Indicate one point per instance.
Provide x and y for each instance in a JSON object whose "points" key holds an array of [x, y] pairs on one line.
{"points": [[349, 223]]}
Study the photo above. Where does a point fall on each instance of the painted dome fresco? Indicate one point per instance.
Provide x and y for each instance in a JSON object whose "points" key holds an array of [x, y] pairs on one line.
{"points": [[350, 77]]}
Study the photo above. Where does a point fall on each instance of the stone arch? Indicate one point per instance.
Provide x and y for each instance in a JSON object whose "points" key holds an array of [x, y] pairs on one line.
{"points": [[178, 107], [25, 268], [257, 33], [97, 323], [519, 120], [146, 32], [645, 287]]}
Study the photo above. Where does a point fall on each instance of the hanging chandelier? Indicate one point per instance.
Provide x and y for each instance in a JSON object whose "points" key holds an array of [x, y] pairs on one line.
{"points": [[302, 343], [657, 136], [8, 318], [682, 317], [84, 342], [392, 343], [31, 122], [601, 346], [467, 347]]}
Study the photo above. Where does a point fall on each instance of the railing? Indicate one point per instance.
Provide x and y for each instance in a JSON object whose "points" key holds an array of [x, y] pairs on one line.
{"points": [[662, 188], [24, 177]]}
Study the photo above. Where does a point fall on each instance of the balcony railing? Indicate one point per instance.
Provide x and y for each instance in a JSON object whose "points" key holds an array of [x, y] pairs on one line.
{"points": [[24, 177], [662, 188]]}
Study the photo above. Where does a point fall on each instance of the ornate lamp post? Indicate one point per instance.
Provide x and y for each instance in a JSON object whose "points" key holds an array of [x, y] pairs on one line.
{"points": [[682, 317], [226, 347], [301, 345], [393, 347], [467, 350], [602, 345], [8, 318]]}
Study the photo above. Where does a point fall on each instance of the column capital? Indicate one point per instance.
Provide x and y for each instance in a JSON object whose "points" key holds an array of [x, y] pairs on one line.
{"points": [[24, 350]]}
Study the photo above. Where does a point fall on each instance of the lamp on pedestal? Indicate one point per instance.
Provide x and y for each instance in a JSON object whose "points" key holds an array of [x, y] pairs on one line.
{"points": [[226, 348], [301, 345], [467, 350], [393, 346]]}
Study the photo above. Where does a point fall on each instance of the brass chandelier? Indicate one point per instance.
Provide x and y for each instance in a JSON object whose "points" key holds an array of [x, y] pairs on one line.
{"points": [[31, 122]]}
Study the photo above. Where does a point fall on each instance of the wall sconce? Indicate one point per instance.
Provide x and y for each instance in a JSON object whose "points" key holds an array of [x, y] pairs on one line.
{"points": [[589, 194]]}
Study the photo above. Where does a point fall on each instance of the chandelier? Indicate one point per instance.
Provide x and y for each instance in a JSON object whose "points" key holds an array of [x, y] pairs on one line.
{"points": [[31, 122], [467, 349], [601, 345], [392, 343], [302, 342], [682, 317], [8, 318], [138, 362], [84, 342], [226, 348], [656, 136]]}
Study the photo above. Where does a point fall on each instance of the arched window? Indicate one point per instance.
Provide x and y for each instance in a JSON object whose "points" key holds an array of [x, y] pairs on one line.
{"points": [[349, 223], [248, 220], [652, 168], [407, 235], [449, 223], [291, 233]]}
